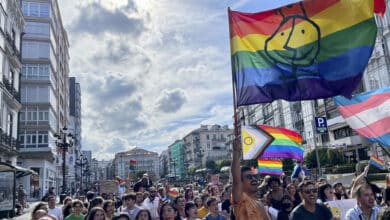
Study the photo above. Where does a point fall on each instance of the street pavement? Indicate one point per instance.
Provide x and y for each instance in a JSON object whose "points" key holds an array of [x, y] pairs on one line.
{"points": [[27, 211]]}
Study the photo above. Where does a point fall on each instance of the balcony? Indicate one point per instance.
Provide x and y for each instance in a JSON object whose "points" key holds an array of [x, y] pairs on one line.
{"points": [[10, 88], [219, 139], [7, 143]]}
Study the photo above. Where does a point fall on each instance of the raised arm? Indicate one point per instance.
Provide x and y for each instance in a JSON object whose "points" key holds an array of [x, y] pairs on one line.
{"points": [[359, 180], [236, 172]]}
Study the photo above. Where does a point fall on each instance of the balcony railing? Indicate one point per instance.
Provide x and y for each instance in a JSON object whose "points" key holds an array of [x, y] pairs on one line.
{"points": [[10, 87], [7, 141]]}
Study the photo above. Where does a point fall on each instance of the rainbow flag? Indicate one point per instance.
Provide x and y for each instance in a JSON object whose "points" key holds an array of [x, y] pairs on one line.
{"points": [[173, 193], [308, 50], [368, 114], [133, 164], [271, 167], [287, 143], [376, 162]]}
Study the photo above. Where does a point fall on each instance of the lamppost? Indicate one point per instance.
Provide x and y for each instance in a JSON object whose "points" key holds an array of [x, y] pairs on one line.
{"points": [[64, 142], [87, 174], [80, 162]]}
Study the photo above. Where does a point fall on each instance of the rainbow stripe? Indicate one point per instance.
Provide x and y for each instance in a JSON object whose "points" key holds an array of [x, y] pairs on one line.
{"points": [[271, 167], [173, 193], [133, 164], [375, 161], [311, 49], [287, 143]]}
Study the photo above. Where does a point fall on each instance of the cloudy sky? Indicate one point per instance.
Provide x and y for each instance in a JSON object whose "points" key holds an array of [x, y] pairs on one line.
{"points": [[150, 71]]}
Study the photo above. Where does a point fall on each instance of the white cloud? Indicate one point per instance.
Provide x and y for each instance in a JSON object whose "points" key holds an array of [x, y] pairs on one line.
{"points": [[150, 71]]}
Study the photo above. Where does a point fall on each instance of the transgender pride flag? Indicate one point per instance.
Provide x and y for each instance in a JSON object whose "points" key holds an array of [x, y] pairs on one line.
{"points": [[368, 114]]}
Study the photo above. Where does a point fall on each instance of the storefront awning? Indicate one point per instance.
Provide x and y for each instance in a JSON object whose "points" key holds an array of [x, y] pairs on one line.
{"points": [[20, 171], [6, 167]]}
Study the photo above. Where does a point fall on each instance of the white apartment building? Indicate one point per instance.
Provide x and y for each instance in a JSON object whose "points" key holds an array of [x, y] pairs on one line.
{"points": [[11, 28], [147, 161], [206, 143], [44, 92]]}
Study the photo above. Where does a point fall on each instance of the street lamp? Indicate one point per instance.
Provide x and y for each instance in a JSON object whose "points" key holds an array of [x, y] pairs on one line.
{"points": [[80, 162], [64, 142], [87, 173]]}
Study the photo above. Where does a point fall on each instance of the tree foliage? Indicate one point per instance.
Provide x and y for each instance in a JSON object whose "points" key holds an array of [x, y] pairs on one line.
{"points": [[328, 158], [288, 164], [210, 164], [224, 163]]}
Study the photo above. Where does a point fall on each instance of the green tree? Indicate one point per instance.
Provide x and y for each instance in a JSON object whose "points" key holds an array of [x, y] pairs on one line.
{"points": [[328, 158], [224, 163], [139, 174], [210, 164], [288, 165], [334, 157]]}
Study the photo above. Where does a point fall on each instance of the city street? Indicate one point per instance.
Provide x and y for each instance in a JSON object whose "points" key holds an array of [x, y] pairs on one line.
{"points": [[27, 211]]}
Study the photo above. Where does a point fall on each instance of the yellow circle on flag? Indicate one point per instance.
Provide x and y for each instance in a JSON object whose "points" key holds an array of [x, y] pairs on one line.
{"points": [[248, 140]]}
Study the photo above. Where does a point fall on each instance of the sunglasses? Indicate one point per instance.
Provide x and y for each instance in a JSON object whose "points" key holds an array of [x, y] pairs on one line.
{"points": [[252, 176], [308, 191]]}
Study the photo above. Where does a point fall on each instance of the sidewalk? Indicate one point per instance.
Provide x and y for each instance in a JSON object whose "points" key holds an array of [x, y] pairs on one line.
{"points": [[27, 211]]}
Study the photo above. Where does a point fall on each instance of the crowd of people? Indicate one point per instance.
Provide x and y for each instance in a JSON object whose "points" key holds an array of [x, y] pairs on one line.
{"points": [[248, 196]]}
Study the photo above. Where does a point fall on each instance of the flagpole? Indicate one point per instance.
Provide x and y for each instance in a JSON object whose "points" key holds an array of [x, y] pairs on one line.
{"points": [[235, 123], [315, 140]]}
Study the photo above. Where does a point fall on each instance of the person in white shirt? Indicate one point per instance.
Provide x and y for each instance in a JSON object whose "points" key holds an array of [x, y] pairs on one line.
{"points": [[139, 200], [366, 208], [152, 202], [131, 209], [53, 210]]}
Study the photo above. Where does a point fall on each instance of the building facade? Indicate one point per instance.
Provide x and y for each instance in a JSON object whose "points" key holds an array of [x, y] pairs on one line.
{"points": [[300, 116], [164, 163], [11, 28], [206, 143], [176, 159], [44, 91], [74, 126], [147, 161]]}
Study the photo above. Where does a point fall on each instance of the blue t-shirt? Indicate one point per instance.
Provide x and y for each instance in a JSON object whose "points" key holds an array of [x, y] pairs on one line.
{"points": [[209, 217]]}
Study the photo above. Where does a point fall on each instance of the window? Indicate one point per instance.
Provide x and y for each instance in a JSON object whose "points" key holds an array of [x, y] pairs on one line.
{"points": [[36, 50], [36, 29], [33, 93], [343, 133], [34, 115], [34, 139], [36, 9]]}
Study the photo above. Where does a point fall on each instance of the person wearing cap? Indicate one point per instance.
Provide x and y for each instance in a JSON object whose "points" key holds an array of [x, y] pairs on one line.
{"points": [[144, 183]]}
